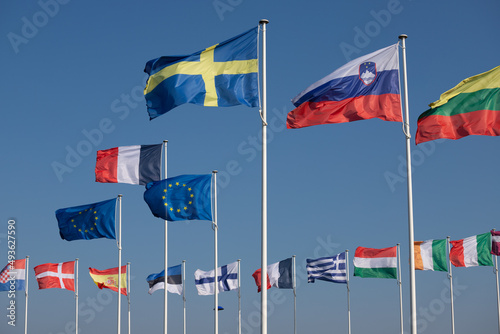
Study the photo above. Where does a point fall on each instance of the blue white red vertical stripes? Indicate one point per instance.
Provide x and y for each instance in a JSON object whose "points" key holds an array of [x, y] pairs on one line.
{"points": [[137, 164], [279, 275], [367, 87], [331, 269]]}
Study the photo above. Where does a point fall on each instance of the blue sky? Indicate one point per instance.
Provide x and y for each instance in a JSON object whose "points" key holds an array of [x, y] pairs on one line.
{"points": [[73, 68]]}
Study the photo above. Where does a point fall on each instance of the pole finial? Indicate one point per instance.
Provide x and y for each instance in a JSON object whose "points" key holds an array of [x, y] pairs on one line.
{"points": [[264, 21], [214, 171], [165, 141], [120, 195], [403, 36]]}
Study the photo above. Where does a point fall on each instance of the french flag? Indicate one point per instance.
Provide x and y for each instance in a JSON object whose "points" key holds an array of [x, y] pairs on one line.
{"points": [[279, 275], [364, 88], [137, 164]]}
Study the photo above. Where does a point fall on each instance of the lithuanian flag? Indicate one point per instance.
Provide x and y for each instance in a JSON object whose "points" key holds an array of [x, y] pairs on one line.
{"points": [[109, 278], [470, 108]]}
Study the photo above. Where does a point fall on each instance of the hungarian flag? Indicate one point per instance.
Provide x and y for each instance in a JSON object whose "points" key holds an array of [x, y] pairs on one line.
{"points": [[378, 263], [56, 275], [138, 164], [279, 275], [430, 255], [364, 88], [109, 278], [495, 242], [472, 251], [470, 108]]}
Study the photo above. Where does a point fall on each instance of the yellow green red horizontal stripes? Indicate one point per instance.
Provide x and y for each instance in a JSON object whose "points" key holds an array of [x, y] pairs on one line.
{"points": [[475, 113], [486, 80]]}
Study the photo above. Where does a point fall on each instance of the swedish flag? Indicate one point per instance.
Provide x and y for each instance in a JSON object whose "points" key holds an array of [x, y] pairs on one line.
{"points": [[89, 221], [183, 197], [223, 75]]}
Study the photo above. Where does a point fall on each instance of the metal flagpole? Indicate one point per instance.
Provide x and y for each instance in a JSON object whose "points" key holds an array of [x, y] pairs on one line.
{"points": [[348, 290], [165, 302], [450, 276], [128, 294], [239, 296], [119, 262], [183, 292], [26, 267], [263, 308], [413, 301], [400, 289], [216, 283], [498, 292], [294, 297], [76, 295]]}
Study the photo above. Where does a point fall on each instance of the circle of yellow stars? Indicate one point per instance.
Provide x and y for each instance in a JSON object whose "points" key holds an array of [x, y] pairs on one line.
{"points": [[93, 224], [172, 187]]}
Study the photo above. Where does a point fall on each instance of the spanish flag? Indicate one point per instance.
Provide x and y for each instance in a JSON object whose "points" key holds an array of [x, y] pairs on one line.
{"points": [[109, 278]]}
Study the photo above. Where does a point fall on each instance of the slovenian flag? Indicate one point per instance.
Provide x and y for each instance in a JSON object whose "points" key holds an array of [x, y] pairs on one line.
{"points": [[378, 263], [472, 251], [364, 88], [13, 276], [137, 164], [279, 275]]}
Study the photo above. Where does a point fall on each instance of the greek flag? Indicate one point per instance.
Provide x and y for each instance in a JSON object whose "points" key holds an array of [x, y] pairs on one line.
{"points": [[331, 269], [227, 277]]}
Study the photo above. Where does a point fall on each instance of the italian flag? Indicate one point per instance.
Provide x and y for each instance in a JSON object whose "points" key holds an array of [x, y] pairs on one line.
{"points": [[472, 251], [430, 255], [373, 262], [470, 108]]}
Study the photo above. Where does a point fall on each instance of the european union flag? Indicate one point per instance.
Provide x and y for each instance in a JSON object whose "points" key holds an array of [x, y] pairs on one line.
{"points": [[223, 75], [183, 197], [87, 222]]}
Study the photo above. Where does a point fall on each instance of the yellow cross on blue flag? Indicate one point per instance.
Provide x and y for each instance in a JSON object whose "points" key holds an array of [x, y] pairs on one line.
{"points": [[223, 75], [89, 221]]}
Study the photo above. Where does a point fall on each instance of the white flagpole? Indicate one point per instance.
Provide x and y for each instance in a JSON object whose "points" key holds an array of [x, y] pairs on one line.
{"points": [[294, 297], [26, 294], [400, 289], [450, 276], [183, 292], [165, 301], [128, 294], [76, 295], [263, 308], [239, 296], [216, 283], [119, 262], [348, 290], [413, 297], [498, 293]]}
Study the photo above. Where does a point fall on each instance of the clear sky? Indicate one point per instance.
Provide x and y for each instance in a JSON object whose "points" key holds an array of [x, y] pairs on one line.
{"points": [[69, 66]]}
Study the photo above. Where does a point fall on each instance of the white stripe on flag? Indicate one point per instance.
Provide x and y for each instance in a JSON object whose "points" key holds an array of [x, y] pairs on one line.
{"points": [[17, 273], [426, 254], [128, 164], [495, 238], [470, 251], [375, 262]]}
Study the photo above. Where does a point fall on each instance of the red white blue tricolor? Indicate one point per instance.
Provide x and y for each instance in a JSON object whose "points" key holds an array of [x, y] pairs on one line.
{"points": [[364, 88]]}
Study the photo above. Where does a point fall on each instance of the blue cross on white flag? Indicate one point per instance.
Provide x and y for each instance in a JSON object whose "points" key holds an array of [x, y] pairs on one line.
{"points": [[227, 276], [331, 269]]}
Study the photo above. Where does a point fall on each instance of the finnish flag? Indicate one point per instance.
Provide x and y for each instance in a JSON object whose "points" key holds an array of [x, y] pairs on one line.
{"points": [[227, 278]]}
